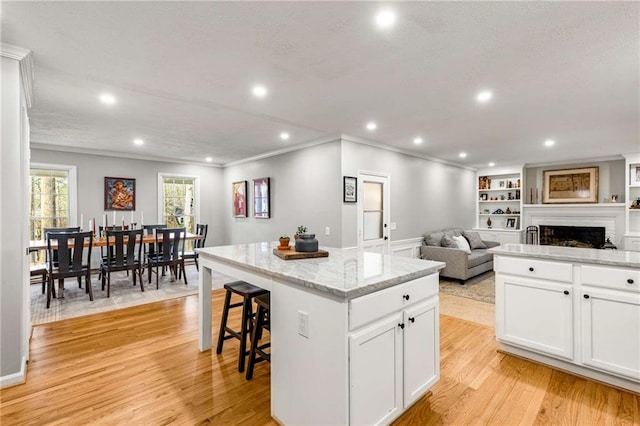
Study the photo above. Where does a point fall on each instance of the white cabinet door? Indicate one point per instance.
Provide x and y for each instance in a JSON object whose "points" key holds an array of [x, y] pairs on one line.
{"points": [[611, 331], [421, 350], [375, 373], [535, 314]]}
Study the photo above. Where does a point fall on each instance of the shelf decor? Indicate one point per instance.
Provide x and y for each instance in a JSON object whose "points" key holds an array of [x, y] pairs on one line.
{"points": [[570, 186], [261, 200], [634, 178], [119, 194]]}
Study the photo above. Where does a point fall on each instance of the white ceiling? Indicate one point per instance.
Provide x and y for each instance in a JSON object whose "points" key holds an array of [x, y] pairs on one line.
{"points": [[182, 74]]}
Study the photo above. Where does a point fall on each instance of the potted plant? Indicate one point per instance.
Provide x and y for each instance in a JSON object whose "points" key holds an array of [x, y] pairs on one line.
{"points": [[301, 230], [284, 240]]}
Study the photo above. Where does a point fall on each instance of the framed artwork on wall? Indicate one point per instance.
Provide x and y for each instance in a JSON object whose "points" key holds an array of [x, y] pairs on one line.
{"points": [[350, 189], [510, 223], [570, 186], [261, 200], [239, 199], [634, 178], [119, 194]]}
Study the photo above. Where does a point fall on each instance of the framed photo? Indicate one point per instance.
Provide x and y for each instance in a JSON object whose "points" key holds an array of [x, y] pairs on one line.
{"points": [[570, 186], [484, 197], [510, 223], [240, 199], [634, 179], [261, 202], [119, 193], [350, 189]]}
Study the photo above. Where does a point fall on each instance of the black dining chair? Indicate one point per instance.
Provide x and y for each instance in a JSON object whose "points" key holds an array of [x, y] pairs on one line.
{"points": [[170, 244], [54, 258], [70, 248], [201, 230], [103, 249], [124, 254]]}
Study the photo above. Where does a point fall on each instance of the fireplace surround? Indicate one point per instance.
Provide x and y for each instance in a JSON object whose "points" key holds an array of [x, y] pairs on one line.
{"points": [[572, 236]]}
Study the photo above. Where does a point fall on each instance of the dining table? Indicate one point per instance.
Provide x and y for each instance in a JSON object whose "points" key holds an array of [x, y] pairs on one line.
{"points": [[35, 245]]}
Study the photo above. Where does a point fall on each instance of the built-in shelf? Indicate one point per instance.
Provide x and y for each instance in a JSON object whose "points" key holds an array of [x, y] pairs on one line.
{"points": [[499, 201], [499, 214]]}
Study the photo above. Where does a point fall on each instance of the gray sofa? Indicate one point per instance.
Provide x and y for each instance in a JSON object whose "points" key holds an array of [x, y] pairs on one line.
{"points": [[460, 264]]}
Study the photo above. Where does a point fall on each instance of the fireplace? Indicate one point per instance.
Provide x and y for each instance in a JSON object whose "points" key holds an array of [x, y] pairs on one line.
{"points": [[572, 236]]}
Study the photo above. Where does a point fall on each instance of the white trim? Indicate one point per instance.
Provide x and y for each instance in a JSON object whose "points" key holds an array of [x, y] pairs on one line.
{"points": [[196, 190], [25, 58], [73, 186], [575, 161], [410, 246], [15, 378]]}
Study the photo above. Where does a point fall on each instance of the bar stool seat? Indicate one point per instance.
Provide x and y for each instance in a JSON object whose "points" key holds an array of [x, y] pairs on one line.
{"points": [[262, 321], [248, 292]]}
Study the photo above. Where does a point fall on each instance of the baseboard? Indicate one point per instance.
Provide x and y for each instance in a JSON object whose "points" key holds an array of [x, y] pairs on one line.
{"points": [[15, 378]]}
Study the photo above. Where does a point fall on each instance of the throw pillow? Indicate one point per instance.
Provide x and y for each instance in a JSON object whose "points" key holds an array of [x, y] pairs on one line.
{"points": [[475, 242], [433, 238], [462, 243], [448, 242]]}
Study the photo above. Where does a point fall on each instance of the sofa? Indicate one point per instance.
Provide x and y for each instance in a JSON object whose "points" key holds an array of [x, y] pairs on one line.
{"points": [[463, 261]]}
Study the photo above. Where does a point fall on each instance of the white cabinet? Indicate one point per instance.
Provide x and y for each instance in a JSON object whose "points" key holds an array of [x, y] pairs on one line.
{"points": [[535, 314], [499, 199], [394, 360], [501, 236]]}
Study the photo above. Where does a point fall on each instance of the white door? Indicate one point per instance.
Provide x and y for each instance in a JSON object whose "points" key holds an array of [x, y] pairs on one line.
{"points": [[611, 330], [421, 349], [375, 371], [373, 213]]}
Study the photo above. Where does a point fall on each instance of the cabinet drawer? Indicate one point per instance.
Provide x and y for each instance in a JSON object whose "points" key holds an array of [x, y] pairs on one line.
{"points": [[542, 269], [632, 243], [609, 277], [365, 309]]}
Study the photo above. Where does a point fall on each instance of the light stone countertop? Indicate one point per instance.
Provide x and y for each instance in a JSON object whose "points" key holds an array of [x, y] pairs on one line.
{"points": [[630, 259], [346, 273]]}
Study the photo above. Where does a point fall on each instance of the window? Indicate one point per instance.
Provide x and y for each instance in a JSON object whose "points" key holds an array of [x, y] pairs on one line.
{"points": [[178, 201], [52, 198]]}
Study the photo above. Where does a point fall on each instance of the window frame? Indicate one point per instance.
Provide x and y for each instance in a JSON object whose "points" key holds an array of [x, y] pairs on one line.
{"points": [[196, 193], [72, 184]]}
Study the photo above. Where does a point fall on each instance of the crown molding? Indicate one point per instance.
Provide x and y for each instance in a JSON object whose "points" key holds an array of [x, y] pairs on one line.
{"points": [[576, 161], [89, 151], [25, 59]]}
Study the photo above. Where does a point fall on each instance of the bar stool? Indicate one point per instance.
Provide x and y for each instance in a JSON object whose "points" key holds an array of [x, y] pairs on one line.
{"points": [[248, 292], [262, 321]]}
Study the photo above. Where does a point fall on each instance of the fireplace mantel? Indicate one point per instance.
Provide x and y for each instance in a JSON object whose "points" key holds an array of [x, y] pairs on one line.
{"points": [[608, 215]]}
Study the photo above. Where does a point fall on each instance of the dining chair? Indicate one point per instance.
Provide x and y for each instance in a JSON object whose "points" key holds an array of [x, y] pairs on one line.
{"points": [[103, 249], [201, 230], [38, 270], [125, 254], [70, 248], [170, 243], [54, 258]]}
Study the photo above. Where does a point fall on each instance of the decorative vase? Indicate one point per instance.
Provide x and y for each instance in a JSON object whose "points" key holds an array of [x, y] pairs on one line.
{"points": [[489, 222], [284, 242], [307, 243]]}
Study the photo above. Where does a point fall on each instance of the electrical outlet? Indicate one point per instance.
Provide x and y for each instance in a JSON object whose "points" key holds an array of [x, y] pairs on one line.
{"points": [[303, 324], [327, 231], [393, 226]]}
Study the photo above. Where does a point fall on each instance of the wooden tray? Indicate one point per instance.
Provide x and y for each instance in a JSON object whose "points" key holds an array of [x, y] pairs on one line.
{"points": [[292, 254]]}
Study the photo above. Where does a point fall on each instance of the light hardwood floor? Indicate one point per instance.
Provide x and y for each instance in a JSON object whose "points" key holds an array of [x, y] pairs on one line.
{"points": [[141, 366]]}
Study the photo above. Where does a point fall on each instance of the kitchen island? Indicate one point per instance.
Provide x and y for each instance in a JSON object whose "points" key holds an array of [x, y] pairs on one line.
{"points": [[354, 336], [576, 309]]}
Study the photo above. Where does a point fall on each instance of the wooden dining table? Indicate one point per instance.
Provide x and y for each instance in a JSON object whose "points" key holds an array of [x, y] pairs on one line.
{"points": [[102, 242]]}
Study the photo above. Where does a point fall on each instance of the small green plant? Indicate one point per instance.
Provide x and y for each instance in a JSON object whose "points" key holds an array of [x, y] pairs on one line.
{"points": [[301, 229], [284, 237]]}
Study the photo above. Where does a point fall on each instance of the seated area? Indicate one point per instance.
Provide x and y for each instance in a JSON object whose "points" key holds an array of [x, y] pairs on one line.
{"points": [[464, 252]]}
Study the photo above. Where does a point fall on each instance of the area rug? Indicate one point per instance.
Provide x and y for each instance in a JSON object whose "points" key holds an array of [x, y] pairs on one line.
{"points": [[481, 288], [123, 295]]}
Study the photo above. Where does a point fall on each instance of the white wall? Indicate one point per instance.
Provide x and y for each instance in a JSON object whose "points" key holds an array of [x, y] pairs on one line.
{"points": [[425, 195], [92, 169], [306, 189]]}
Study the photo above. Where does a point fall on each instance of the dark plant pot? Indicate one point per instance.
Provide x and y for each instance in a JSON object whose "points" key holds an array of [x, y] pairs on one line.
{"points": [[307, 243]]}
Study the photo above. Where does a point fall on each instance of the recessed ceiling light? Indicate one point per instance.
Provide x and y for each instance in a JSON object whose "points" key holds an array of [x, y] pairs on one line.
{"points": [[259, 91], [491, 164], [484, 96], [208, 159], [549, 142], [371, 125], [385, 18], [417, 140], [462, 155], [108, 99], [284, 136], [138, 141]]}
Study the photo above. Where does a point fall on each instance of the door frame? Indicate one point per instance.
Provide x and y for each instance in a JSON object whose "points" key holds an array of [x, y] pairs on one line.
{"points": [[386, 203]]}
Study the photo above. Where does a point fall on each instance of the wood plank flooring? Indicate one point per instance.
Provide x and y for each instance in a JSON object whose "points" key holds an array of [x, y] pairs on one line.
{"points": [[141, 365]]}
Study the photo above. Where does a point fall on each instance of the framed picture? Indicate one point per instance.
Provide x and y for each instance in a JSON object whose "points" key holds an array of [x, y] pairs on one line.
{"points": [[634, 179], [510, 223], [261, 203], [240, 199], [350, 189], [119, 193], [570, 186], [484, 197]]}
